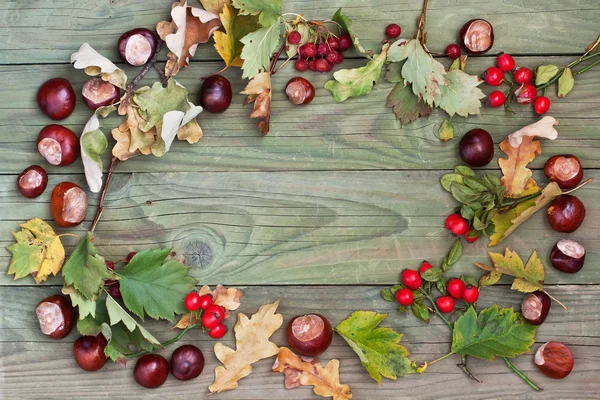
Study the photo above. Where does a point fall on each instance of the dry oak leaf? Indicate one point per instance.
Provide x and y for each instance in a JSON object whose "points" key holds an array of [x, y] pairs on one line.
{"points": [[252, 344], [298, 372], [521, 149], [94, 63], [189, 27], [131, 140], [258, 91]]}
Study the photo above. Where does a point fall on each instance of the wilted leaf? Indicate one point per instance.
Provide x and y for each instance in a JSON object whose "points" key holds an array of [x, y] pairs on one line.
{"points": [[93, 144], [358, 81], [460, 95], [565, 82], [544, 73], [346, 25], [406, 105], [252, 345], [326, 381], [489, 279], [228, 43], [258, 48], [268, 11], [131, 140], [93, 63], [446, 131], [38, 251], [258, 91]]}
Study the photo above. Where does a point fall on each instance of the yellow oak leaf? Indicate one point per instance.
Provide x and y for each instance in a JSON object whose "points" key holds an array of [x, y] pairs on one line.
{"points": [[190, 132], [258, 91], [252, 344], [214, 6], [326, 381], [228, 44]]}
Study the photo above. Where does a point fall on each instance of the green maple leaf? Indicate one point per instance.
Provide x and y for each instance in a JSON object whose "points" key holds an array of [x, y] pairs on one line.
{"points": [[494, 333], [378, 348], [426, 74], [155, 287], [258, 48], [85, 269], [528, 278], [460, 95], [405, 104], [358, 81], [346, 25], [269, 10]]}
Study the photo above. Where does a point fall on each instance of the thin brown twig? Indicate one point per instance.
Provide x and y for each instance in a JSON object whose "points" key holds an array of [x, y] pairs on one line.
{"points": [[100, 208], [275, 58]]}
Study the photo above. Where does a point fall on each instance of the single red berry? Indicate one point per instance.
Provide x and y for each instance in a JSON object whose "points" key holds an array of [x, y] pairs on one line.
{"points": [[495, 99], [460, 227], [312, 64], [453, 51], [110, 265], [217, 332], [333, 42], [345, 42], [294, 37], [471, 239], [301, 65], [192, 301], [392, 31], [335, 57], [113, 289], [425, 265], [322, 49], [541, 105], [404, 296], [205, 301], [455, 288], [307, 50], [411, 279], [526, 93], [450, 219], [471, 294], [505, 62], [212, 316], [523, 75], [130, 256], [322, 65], [445, 304], [493, 76]]}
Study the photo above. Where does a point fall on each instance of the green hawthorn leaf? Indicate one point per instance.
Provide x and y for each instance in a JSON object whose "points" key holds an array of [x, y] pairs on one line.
{"points": [[453, 255], [565, 82], [91, 325], [464, 170], [458, 63], [426, 74], [85, 269], [544, 73], [441, 286], [460, 95], [446, 131], [268, 11], [494, 333], [346, 25], [432, 274], [155, 287], [358, 81], [378, 348], [122, 341], [405, 104], [420, 311], [258, 48], [447, 180], [86, 306], [117, 314]]}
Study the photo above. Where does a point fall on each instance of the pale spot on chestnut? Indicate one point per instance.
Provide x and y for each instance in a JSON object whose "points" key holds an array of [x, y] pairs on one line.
{"points": [[56, 316], [32, 181], [50, 150], [477, 36], [98, 93], [138, 50], [68, 204]]}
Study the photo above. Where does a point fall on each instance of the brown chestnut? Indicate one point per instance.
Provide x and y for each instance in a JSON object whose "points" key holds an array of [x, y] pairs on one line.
{"points": [[299, 91], [56, 98], [137, 46], [58, 145], [187, 362], [554, 359], [477, 36], [476, 148], [89, 352], [215, 94], [32, 181], [567, 256], [310, 334], [98, 93], [68, 204], [566, 213], [565, 170], [535, 307], [151, 370], [56, 316]]}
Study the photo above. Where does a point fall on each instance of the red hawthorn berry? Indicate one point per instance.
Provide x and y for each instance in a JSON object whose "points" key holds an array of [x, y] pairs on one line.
{"points": [[333, 42], [541, 105], [495, 99], [450, 219], [455, 288], [526, 93], [404, 296], [294, 37], [345, 42], [217, 332], [425, 265], [493, 76], [392, 31], [307, 50], [130, 256], [301, 65], [322, 65], [471, 239], [523, 75], [322, 49], [453, 51], [411, 279], [192, 301], [445, 304], [470, 294], [505, 62]]}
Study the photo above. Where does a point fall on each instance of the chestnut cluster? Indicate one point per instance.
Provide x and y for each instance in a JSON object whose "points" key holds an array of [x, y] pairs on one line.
{"points": [[151, 370]]}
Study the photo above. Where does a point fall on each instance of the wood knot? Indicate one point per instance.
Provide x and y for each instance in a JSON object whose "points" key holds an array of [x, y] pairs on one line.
{"points": [[198, 253]]}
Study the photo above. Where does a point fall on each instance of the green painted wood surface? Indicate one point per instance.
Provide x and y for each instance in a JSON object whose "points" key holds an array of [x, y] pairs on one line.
{"points": [[337, 194]]}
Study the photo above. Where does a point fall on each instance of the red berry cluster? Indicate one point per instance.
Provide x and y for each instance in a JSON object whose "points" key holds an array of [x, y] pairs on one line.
{"points": [[459, 226], [212, 314], [322, 54], [524, 91]]}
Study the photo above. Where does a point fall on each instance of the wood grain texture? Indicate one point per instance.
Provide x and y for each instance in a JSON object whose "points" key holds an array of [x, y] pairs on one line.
{"points": [[354, 227], [25, 352], [359, 134]]}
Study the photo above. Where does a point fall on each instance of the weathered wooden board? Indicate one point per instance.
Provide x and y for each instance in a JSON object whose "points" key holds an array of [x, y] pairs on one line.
{"points": [[340, 227], [25, 353], [358, 134]]}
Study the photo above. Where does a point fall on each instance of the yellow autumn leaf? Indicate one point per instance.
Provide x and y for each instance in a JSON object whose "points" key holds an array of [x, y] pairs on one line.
{"points": [[214, 6], [298, 372], [528, 278], [252, 344], [228, 44]]}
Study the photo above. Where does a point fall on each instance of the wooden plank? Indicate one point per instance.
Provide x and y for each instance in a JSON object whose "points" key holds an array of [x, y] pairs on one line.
{"points": [[27, 355], [356, 135], [48, 31], [345, 227]]}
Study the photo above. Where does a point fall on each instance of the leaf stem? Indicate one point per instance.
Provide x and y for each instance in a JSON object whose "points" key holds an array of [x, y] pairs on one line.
{"points": [[163, 344], [463, 367], [516, 202], [275, 58], [522, 375], [440, 359], [100, 208], [592, 65], [556, 300], [579, 186]]}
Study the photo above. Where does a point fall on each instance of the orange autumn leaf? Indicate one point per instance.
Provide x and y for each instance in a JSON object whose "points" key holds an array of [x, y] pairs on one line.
{"points": [[258, 91], [298, 372]]}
